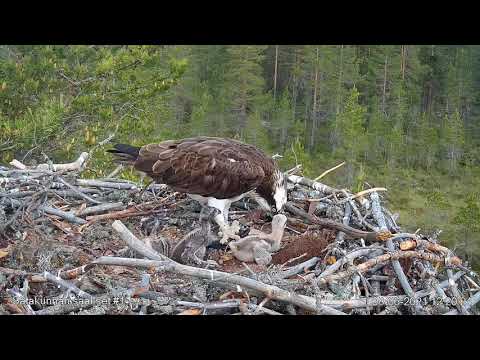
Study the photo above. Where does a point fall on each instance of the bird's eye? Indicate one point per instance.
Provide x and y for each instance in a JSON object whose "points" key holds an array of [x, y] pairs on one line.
{"points": [[274, 209]]}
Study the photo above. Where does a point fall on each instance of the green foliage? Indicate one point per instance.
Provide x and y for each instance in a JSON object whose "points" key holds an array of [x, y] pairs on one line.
{"points": [[454, 138], [469, 215], [436, 199], [53, 94], [350, 128], [296, 155]]}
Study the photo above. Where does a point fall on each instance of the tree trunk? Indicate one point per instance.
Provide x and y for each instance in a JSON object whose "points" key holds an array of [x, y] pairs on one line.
{"points": [[275, 75], [314, 107], [294, 87], [384, 86], [340, 80], [403, 61]]}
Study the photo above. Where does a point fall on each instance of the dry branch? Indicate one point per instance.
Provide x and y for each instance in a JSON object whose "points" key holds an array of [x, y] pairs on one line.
{"points": [[73, 166], [100, 208], [389, 257], [107, 184], [64, 215], [328, 171], [67, 285], [354, 233]]}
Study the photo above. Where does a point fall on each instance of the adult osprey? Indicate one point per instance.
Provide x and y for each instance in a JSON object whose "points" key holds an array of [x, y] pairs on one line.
{"points": [[214, 171]]}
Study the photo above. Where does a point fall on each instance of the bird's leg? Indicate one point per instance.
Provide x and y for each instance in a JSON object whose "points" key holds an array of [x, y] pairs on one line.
{"points": [[226, 231], [225, 213], [200, 261]]}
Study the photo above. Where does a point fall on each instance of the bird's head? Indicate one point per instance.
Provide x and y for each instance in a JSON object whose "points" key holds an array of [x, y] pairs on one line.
{"points": [[271, 195]]}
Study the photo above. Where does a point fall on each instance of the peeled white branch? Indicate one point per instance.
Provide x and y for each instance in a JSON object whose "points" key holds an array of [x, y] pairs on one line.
{"points": [[76, 165], [106, 184]]}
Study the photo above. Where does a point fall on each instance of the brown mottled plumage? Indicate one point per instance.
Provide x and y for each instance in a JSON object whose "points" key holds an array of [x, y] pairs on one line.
{"points": [[206, 166], [214, 171]]}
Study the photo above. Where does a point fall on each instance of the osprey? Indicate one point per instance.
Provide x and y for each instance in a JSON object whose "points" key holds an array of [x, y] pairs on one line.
{"points": [[214, 171]]}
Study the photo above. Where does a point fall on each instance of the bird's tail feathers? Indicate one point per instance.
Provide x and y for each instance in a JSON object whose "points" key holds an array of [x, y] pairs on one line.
{"points": [[124, 154]]}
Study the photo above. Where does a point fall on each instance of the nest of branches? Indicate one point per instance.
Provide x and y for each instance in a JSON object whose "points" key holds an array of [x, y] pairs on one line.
{"points": [[70, 245]]}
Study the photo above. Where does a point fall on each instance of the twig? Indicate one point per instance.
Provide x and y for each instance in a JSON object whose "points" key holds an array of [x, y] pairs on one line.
{"points": [[67, 285], [415, 243], [299, 268], [456, 294], [346, 221], [106, 184], [122, 214], [74, 273], [70, 217], [344, 260], [76, 191], [328, 171], [115, 172], [100, 208], [216, 305], [362, 193], [18, 164]]}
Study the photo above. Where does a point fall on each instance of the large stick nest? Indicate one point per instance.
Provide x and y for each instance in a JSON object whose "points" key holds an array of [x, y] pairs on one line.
{"points": [[341, 253]]}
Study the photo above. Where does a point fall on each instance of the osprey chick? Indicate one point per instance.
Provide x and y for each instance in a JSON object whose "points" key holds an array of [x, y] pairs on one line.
{"points": [[214, 171]]}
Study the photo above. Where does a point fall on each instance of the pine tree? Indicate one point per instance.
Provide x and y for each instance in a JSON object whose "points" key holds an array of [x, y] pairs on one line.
{"points": [[454, 139], [244, 82], [351, 132]]}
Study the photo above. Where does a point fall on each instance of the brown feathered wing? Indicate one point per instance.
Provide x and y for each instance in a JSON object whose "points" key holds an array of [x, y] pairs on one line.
{"points": [[221, 168]]}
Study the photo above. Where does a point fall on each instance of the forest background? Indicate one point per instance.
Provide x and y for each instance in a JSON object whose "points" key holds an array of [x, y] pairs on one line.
{"points": [[406, 117]]}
